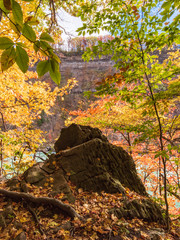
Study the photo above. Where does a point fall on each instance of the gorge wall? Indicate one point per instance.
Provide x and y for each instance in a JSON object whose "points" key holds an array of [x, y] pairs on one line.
{"points": [[87, 74]]}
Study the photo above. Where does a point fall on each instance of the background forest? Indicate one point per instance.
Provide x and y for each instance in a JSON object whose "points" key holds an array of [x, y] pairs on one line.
{"points": [[137, 102]]}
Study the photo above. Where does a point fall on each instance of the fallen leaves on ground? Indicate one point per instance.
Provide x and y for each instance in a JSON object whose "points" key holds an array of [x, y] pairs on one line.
{"points": [[98, 223]]}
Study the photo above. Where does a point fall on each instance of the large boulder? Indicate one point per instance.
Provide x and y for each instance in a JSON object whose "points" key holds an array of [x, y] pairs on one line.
{"points": [[86, 158], [97, 165]]}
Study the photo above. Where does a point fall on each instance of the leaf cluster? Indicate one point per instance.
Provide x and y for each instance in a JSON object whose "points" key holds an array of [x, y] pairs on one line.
{"points": [[14, 50]]}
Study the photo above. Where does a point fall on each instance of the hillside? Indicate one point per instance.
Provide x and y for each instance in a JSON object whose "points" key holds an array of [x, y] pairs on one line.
{"points": [[87, 199]]}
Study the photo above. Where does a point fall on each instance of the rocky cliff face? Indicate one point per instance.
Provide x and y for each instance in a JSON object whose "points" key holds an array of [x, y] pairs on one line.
{"points": [[87, 74]]}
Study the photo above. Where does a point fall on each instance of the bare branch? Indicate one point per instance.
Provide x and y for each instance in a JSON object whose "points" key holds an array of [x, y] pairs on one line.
{"points": [[173, 193]]}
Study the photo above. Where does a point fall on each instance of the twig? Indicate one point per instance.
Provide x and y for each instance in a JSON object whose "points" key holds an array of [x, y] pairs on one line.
{"points": [[173, 193], [45, 153], [38, 6], [36, 219], [110, 232], [24, 188], [0, 14]]}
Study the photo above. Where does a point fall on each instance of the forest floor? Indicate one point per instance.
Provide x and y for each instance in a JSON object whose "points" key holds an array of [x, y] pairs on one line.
{"points": [[35, 222]]}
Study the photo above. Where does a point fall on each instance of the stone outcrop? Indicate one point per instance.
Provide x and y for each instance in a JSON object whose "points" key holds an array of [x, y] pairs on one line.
{"points": [[87, 160], [75, 135], [144, 209]]}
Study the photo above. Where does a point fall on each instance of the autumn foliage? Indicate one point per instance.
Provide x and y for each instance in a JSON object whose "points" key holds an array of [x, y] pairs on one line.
{"points": [[140, 103], [80, 44], [136, 128], [23, 97]]}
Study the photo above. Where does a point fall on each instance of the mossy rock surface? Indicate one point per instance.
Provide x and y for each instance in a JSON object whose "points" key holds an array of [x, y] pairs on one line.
{"points": [[144, 209]]}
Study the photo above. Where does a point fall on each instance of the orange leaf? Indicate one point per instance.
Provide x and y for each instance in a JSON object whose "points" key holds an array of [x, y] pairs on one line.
{"points": [[134, 8]]}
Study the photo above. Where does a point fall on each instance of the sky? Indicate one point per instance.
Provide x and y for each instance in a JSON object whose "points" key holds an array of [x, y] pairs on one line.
{"points": [[70, 24]]}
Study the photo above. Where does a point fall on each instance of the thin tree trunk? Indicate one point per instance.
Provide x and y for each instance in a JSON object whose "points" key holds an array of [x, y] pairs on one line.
{"points": [[1, 157]]}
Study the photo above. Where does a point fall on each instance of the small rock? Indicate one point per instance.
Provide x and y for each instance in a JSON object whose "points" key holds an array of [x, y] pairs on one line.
{"points": [[34, 174], [156, 234], [67, 226], [75, 135], [142, 209]]}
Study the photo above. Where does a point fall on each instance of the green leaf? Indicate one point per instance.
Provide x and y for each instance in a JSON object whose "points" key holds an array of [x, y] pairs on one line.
{"points": [[54, 56], [54, 71], [16, 28], [166, 5], [36, 46], [162, 154], [8, 58], [54, 65], [28, 32], [55, 76], [21, 44], [177, 41], [169, 147], [45, 36], [5, 43], [17, 13], [22, 59], [43, 67], [44, 45]]}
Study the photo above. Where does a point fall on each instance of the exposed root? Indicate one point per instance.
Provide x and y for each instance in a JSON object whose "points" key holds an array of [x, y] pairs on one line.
{"points": [[41, 200]]}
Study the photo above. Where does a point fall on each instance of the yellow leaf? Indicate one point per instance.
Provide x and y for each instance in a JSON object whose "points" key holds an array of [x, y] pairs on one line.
{"points": [[53, 224], [16, 208], [23, 219], [51, 179], [55, 216], [115, 233], [89, 220], [80, 190]]}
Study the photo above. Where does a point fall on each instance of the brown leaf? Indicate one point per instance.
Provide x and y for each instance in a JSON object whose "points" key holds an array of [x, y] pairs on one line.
{"points": [[134, 8], [7, 4]]}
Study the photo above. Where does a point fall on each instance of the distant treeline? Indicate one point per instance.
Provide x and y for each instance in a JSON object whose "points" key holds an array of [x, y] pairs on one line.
{"points": [[79, 44]]}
